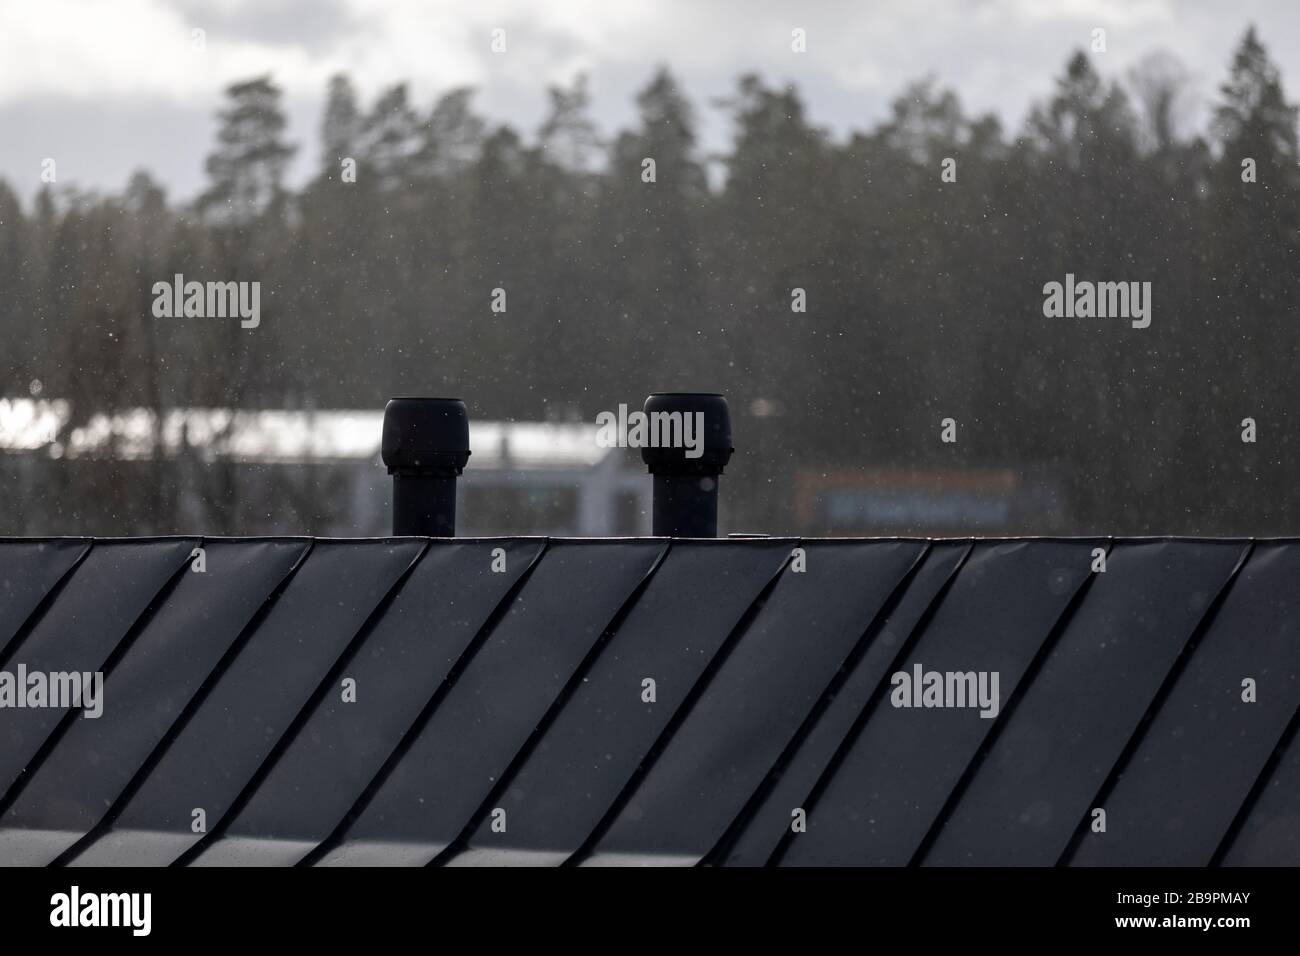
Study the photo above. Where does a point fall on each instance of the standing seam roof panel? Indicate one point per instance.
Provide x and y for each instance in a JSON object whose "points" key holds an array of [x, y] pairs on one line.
{"points": [[893, 782], [108, 593], [252, 702], [1205, 747], [433, 791], [29, 571], [604, 731], [397, 668], [1055, 748], [1270, 830], [95, 760], [771, 820], [773, 676]]}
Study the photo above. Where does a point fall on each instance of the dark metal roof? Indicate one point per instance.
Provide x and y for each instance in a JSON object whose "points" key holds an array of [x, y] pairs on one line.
{"points": [[502, 681]]}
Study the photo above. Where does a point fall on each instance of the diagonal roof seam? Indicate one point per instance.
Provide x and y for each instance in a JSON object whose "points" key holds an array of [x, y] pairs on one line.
{"points": [[187, 712], [105, 667], [566, 692], [1166, 687], [683, 711], [295, 725], [870, 632], [426, 713], [1004, 714], [846, 744]]}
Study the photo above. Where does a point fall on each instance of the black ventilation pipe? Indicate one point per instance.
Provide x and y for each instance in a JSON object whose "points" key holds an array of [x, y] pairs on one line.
{"points": [[686, 486], [425, 446]]}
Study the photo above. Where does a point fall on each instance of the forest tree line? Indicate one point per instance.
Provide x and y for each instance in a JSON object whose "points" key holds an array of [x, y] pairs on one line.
{"points": [[924, 298]]}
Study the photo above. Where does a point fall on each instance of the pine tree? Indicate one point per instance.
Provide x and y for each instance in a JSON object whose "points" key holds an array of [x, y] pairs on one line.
{"points": [[1254, 111], [1255, 230], [247, 168], [340, 127], [568, 137], [390, 140], [652, 209]]}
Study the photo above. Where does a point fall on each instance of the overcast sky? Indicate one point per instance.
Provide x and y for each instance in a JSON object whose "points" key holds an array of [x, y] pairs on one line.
{"points": [[107, 86]]}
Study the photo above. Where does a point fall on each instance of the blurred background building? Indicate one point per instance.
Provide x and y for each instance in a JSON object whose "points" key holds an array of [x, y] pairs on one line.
{"points": [[295, 472], [298, 472]]}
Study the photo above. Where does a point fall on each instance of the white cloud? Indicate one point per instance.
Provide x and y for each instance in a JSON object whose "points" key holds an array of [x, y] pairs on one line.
{"points": [[62, 58]]}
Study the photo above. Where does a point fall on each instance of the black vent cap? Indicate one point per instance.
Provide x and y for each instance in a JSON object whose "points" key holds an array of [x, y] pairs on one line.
{"points": [[425, 436], [717, 434]]}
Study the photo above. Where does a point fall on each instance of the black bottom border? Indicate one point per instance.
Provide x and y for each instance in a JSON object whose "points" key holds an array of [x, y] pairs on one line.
{"points": [[364, 905]]}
